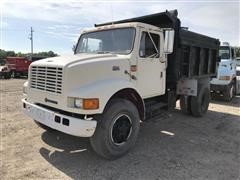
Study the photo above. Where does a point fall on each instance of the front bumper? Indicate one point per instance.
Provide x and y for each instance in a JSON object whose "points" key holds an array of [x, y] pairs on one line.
{"points": [[60, 122], [3, 73], [218, 88]]}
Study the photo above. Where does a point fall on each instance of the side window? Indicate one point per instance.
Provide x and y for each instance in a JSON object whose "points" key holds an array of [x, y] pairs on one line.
{"points": [[149, 45]]}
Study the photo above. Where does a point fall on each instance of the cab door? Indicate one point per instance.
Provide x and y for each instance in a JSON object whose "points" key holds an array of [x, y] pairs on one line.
{"points": [[151, 64]]}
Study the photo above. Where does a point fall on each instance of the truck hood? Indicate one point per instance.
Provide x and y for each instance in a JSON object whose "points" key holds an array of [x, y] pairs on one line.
{"points": [[2, 67], [69, 59]]}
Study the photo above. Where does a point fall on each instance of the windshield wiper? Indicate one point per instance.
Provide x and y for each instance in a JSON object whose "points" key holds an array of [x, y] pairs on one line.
{"points": [[103, 52]]}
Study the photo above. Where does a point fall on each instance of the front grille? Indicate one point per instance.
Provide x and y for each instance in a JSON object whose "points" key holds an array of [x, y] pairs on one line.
{"points": [[47, 79]]}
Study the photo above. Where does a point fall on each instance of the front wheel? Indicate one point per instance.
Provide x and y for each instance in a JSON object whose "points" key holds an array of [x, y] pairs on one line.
{"points": [[229, 93], [117, 129]]}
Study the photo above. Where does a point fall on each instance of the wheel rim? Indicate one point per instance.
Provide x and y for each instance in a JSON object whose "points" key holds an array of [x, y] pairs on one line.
{"points": [[121, 129]]}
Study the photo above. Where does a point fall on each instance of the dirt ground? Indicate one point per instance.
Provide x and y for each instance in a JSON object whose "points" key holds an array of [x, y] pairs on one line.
{"points": [[174, 147]]}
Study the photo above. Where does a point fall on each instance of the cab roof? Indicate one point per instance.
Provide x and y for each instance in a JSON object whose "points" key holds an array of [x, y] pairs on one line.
{"points": [[122, 25]]}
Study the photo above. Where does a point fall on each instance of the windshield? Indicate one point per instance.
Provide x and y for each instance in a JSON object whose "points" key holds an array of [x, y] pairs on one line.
{"points": [[224, 52], [118, 41]]}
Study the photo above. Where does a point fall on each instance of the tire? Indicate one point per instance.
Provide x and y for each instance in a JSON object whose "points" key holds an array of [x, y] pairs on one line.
{"points": [[200, 103], [117, 129], [43, 126], [229, 93], [7, 76], [185, 104]]}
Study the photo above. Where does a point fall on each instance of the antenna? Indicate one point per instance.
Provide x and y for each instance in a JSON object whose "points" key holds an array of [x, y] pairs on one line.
{"points": [[31, 39]]}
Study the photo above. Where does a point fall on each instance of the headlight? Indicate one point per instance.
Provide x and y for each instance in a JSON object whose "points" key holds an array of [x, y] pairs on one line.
{"points": [[227, 78], [25, 85], [78, 103]]}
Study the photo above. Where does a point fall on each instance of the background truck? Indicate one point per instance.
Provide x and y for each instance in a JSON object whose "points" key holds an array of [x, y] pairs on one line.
{"points": [[225, 83], [122, 73], [18, 66]]}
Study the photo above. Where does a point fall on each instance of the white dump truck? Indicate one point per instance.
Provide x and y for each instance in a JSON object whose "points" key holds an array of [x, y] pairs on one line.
{"points": [[121, 74], [225, 83]]}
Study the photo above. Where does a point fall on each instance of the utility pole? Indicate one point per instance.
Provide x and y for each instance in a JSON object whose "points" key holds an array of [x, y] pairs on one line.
{"points": [[31, 39]]}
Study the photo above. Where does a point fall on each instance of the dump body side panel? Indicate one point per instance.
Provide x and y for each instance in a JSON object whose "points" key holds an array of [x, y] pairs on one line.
{"points": [[198, 55]]}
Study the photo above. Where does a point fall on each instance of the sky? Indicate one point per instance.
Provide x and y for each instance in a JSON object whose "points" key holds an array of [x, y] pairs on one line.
{"points": [[58, 24]]}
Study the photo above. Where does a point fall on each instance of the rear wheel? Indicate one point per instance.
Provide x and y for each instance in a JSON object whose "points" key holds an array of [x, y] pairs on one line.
{"points": [[200, 103], [117, 129], [185, 104]]}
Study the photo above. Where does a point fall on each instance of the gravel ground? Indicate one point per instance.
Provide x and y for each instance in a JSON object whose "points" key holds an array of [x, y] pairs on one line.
{"points": [[171, 147]]}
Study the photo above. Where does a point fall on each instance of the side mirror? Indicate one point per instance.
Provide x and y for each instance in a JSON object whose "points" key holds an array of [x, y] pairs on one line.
{"points": [[169, 41]]}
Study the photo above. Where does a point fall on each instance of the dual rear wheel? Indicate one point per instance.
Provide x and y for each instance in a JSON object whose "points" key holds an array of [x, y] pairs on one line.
{"points": [[196, 105]]}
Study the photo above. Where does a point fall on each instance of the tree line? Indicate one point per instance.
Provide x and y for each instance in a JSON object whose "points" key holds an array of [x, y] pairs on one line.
{"points": [[4, 54]]}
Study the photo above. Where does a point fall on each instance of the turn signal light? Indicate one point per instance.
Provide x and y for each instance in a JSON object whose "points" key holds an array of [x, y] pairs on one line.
{"points": [[89, 104]]}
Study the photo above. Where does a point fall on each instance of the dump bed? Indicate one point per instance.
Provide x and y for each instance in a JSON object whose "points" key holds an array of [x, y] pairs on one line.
{"points": [[194, 55]]}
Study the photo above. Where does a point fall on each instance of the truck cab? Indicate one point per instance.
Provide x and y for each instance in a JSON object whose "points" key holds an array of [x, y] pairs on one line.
{"points": [[225, 82]]}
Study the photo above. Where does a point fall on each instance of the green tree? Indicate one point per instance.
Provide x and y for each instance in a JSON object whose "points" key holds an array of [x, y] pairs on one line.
{"points": [[45, 54], [3, 54], [10, 53]]}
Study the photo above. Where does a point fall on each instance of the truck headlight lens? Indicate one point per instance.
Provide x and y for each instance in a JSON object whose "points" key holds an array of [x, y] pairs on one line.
{"points": [[227, 78], [78, 103], [87, 104]]}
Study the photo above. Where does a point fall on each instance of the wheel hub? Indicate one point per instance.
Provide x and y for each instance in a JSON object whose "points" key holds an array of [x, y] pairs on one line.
{"points": [[121, 129]]}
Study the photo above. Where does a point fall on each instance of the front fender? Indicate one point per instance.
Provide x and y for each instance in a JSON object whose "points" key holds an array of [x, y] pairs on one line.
{"points": [[103, 90]]}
